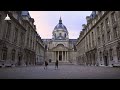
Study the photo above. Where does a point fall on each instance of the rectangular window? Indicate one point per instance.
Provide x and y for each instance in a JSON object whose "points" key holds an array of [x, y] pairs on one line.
{"points": [[98, 40], [98, 30], [111, 54], [13, 55], [118, 53], [0, 23], [16, 35], [89, 42], [102, 27], [60, 34], [100, 56], [22, 39], [115, 32], [113, 16], [8, 30], [107, 22], [108, 35], [103, 39], [92, 39]]}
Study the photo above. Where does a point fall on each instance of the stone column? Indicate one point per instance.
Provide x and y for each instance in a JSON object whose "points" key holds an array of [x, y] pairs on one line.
{"points": [[58, 55], [62, 55], [55, 55], [65, 55]]}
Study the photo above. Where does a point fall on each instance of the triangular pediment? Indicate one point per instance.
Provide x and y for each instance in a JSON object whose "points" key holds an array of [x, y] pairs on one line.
{"points": [[60, 47]]}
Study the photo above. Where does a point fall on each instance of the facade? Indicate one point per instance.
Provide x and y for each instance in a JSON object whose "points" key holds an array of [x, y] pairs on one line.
{"points": [[60, 47], [99, 41], [40, 51], [17, 39]]}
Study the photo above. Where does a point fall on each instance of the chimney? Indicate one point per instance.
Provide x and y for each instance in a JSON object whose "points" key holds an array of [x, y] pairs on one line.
{"points": [[83, 26], [88, 19], [35, 27]]}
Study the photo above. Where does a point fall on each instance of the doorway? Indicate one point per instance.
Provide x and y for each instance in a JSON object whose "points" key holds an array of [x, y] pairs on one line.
{"points": [[106, 61], [60, 57]]}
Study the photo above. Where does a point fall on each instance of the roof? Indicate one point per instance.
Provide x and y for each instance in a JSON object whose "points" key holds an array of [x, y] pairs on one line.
{"points": [[60, 26], [25, 13]]}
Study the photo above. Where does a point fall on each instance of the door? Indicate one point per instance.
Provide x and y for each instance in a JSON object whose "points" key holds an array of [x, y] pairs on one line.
{"points": [[106, 61]]}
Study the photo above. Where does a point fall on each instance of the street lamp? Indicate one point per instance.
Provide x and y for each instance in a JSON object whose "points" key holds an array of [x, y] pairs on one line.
{"points": [[7, 17]]}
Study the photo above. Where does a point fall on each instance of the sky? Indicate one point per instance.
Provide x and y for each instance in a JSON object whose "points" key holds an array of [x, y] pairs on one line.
{"points": [[45, 22]]}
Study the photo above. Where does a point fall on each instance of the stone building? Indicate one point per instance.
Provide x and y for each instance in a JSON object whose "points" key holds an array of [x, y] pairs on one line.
{"points": [[60, 47], [99, 41], [40, 51], [17, 39]]}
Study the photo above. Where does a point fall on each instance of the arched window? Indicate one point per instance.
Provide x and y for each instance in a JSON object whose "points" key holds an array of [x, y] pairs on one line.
{"points": [[4, 53], [13, 55]]}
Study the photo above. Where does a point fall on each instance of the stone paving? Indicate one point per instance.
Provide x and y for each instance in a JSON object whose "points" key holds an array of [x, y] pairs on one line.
{"points": [[64, 72]]}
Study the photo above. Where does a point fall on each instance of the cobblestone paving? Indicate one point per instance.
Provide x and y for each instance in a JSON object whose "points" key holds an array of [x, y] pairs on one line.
{"points": [[64, 72]]}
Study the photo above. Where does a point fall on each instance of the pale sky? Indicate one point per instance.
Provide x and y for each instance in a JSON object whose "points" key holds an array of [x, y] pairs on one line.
{"points": [[45, 22]]}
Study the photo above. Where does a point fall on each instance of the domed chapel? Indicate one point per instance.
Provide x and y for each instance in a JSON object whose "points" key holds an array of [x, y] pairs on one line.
{"points": [[60, 47]]}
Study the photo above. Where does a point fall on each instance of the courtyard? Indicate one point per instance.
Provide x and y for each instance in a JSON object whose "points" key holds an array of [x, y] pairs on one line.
{"points": [[63, 72]]}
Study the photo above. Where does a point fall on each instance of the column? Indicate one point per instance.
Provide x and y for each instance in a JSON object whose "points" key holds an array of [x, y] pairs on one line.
{"points": [[55, 55], [65, 55], [58, 55], [62, 55]]}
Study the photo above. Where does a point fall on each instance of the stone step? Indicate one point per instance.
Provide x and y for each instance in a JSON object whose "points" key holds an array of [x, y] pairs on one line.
{"points": [[61, 63]]}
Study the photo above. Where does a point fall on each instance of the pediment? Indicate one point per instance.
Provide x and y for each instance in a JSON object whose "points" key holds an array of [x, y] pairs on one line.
{"points": [[60, 48]]}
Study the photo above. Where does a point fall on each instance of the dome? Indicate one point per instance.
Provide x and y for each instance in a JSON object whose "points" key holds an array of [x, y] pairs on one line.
{"points": [[60, 26]]}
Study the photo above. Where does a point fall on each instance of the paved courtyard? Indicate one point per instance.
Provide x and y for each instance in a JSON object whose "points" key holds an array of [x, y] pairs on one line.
{"points": [[64, 72]]}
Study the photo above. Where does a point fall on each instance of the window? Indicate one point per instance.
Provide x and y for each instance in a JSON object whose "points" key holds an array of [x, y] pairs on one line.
{"points": [[108, 35], [115, 32], [4, 53], [27, 41], [98, 40], [31, 43], [13, 55], [65, 35], [107, 22], [16, 35], [8, 30], [55, 35], [102, 27], [92, 36], [113, 16], [59, 34], [103, 39], [92, 39], [111, 54], [0, 22], [118, 53], [89, 42], [98, 30], [21, 39], [100, 56]]}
